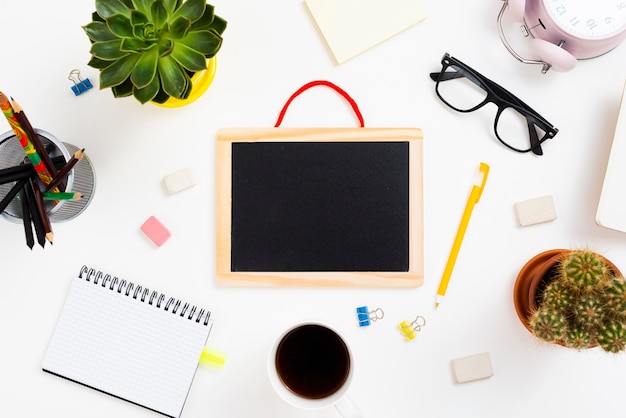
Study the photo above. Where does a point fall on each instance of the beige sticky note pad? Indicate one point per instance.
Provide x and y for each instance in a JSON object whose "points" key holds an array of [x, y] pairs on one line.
{"points": [[351, 27], [534, 211], [473, 367]]}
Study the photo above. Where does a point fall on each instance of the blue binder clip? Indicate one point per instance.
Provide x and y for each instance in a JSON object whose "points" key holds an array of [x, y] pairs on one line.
{"points": [[80, 86], [366, 317], [411, 329]]}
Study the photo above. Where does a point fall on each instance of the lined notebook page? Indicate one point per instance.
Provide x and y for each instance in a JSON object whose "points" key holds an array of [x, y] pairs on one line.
{"points": [[126, 347]]}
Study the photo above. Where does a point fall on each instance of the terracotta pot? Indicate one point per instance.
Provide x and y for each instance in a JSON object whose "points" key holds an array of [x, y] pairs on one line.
{"points": [[528, 280]]}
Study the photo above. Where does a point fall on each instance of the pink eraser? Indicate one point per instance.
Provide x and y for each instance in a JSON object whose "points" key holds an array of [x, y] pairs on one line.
{"points": [[155, 230]]}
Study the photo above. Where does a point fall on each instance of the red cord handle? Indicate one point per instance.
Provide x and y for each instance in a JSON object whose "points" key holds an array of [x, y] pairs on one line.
{"points": [[320, 83]]}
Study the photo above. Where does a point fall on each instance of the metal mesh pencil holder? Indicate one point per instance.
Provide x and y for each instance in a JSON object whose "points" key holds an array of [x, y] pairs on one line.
{"points": [[80, 179]]}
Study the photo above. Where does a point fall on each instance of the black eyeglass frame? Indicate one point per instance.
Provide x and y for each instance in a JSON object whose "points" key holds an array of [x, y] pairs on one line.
{"points": [[499, 96]]}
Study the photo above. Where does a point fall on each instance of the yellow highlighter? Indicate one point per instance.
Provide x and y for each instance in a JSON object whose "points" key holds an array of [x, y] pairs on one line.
{"points": [[212, 358], [454, 252]]}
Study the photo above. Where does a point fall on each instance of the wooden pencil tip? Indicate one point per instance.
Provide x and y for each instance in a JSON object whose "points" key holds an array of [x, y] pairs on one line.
{"points": [[50, 237], [16, 107]]}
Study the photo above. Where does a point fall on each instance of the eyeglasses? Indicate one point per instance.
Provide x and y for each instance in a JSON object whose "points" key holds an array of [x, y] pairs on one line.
{"points": [[516, 125]]}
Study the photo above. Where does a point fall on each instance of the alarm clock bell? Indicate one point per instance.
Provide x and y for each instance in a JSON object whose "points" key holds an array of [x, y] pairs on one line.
{"points": [[565, 31]]}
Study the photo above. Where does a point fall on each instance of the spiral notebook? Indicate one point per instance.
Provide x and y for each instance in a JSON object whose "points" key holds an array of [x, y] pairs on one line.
{"points": [[128, 341]]}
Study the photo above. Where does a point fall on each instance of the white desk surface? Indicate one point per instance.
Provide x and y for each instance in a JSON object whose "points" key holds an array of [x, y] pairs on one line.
{"points": [[271, 48]]}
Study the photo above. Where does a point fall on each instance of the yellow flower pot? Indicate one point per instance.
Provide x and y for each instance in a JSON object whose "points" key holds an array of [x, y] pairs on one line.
{"points": [[200, 83]]}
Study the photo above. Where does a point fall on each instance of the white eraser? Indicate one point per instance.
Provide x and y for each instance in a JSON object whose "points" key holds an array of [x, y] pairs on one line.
{"points": [[534, 211], [474, 367], [179, 180]]}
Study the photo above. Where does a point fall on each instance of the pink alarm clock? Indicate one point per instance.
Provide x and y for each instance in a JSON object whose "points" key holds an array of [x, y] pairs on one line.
{"points": [[564, 31]]}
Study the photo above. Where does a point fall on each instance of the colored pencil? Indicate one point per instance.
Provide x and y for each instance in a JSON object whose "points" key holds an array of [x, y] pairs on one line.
{"points": [[65, 170], [25, 170], [34, 214], [11, 194], [25, 141], [41, 209], [61, 195], [32, 135], [26, 219]]}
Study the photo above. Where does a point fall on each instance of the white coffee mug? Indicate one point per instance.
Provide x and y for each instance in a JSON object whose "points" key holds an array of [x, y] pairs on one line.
{"points": [[310, 366]]}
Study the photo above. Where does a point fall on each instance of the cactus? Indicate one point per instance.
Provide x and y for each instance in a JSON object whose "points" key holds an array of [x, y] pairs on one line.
{"points": [[548, 325], [584, 269], [612, 337], [584, 304]]}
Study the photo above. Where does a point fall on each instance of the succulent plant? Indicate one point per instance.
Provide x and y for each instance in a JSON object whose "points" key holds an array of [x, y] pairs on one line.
{"points": [[583, 305], [150, 48]]}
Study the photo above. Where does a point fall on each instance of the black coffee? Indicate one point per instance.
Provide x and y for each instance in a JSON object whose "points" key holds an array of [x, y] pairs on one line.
{"points": [[312, 361]]}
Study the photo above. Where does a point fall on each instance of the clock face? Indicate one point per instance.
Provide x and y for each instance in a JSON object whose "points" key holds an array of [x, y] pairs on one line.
{"points": [[589, 18]]}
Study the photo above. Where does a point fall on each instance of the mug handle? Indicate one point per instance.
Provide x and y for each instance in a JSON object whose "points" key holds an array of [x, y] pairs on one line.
{"points": [[347, 409]]}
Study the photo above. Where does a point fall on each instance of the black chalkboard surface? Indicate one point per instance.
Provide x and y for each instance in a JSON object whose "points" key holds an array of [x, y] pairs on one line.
{"points": [[313, 207]]}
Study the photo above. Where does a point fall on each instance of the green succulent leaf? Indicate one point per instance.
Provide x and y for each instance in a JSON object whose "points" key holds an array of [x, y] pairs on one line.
{"points": [[108, 50], [146, 32], [120, 26], [219, 25], [180, 27], [135, 45], [165, 47], [206, 42], [108, 8], [209, 21], [191, 9], [148, 92], [139, 18], [96, 17], [98, 31], [174, 80], [143, 6], [118, 72], [190, 59], [98, 63], [123, 90], [171, 6], [159, 13], [146, 68], [206, 19]]}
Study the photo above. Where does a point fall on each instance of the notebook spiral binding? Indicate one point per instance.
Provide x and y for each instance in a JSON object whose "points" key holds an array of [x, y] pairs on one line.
{"points": [[143, 293]]}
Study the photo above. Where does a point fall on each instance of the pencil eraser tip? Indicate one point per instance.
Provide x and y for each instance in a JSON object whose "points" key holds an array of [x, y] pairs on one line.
{"points": [[155, 230]]}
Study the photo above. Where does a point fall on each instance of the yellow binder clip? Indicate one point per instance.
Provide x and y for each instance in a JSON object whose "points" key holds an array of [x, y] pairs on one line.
{"points": [[411, 329]]}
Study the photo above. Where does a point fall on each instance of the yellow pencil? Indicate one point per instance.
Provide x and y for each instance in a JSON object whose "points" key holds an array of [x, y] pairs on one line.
{"points": [[454, 252]]}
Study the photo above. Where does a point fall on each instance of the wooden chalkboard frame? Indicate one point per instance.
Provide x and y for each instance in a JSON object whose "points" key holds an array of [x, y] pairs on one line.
{"points": [[414, 277]]}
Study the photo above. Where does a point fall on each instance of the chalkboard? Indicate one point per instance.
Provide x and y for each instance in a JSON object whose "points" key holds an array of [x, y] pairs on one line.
{"points": [[319, 207]]}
